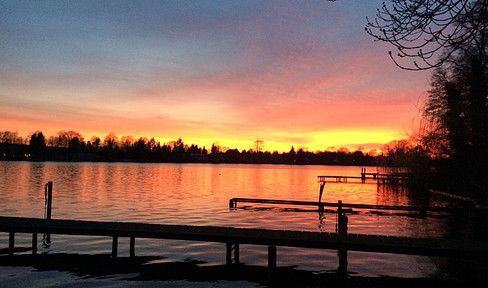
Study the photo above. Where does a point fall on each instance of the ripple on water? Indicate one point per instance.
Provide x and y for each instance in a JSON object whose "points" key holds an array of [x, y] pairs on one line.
{"points": [[193, 194]]}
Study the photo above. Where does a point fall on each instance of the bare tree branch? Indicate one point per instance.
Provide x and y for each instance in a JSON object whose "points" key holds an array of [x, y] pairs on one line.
{"points": [[426, 33]]}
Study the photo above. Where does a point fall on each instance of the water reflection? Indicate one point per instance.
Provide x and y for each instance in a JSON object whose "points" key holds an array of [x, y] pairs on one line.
{"points": [[198, 194]]}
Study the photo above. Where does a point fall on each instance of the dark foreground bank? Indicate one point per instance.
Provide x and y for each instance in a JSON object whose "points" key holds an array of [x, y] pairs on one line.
{"points": [[155, 269]]}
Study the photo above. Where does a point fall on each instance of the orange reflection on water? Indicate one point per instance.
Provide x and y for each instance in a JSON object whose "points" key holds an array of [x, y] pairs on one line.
{"points": [[198, 194]]}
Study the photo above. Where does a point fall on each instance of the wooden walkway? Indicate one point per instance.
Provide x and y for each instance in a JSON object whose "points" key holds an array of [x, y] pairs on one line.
{"points": [[379, 178], [233, 204], [392, 178], [235, 236]]}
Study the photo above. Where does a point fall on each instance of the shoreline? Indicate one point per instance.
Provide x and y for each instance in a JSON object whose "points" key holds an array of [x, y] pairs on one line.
{"points": [[150, 268]]}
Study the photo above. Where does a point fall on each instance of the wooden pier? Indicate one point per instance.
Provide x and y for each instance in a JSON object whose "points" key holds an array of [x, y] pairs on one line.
{"points": [[320, 205], [232, 237], [380, 178]]}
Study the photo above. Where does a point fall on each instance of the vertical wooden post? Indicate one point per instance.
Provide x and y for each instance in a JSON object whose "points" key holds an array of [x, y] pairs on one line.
{"points": [[132, 246], [342, 269], [228, 254], [272, 257], [11, 243], [114, 246], [339, 213], [49, 206], [342, 229], [34, 243], [272, 266], [322, 186], [341, 219], [49, 199], [236, 253]]}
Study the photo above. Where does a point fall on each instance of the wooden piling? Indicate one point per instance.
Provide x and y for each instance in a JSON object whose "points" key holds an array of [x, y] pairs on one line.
{"points": [[232, 247], [342, 269], [342, 229], [322, 186], [228, 254], [341, 219], [272, 266], [272, 257], [11, 243], [49, 199], [236, 253], [132, 247], [34, 243], [115, 243]]}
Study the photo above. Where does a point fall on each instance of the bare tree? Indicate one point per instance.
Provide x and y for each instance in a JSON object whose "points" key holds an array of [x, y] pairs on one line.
{"points": [[258, 146], [427, 33]]}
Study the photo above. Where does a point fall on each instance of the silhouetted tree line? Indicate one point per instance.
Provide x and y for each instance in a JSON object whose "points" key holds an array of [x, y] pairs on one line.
{"points": [[71, 146]]}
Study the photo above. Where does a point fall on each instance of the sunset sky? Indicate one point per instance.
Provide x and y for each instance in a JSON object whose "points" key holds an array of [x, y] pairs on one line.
{"points": [[290, 73]]}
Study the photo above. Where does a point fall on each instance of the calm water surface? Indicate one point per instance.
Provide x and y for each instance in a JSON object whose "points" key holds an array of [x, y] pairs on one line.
{"points": [[198, 194]]}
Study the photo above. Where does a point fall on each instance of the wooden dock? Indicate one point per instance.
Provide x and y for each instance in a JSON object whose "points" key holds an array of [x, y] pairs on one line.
{"points": [[235, 236], [320, 205], [379, 178]]}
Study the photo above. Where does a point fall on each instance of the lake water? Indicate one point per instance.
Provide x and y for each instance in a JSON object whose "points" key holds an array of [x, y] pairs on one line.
{"points": [[198, 194]]}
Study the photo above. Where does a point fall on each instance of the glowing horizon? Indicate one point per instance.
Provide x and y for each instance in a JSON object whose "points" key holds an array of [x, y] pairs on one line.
{"points": [[296, 74]]}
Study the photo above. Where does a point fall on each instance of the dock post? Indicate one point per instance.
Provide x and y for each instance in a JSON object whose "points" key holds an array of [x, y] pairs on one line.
{"points": [[342, 269], [34, 243], [272, 266], [228, 255], [322, 186], [232, 204], [114, 246], [341, 219], [272, 257], [342, 229], [132, 246], [11, 243], [236, 253], [363, 175], [49, 199]]}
